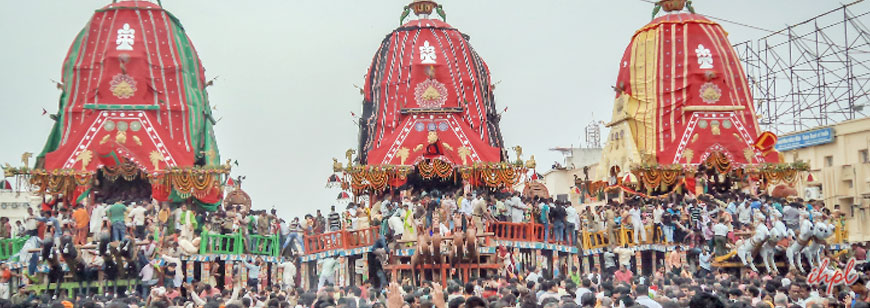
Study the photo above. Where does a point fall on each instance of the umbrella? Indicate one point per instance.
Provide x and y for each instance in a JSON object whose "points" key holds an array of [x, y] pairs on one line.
{"points": [[343, 195], [333, 181]]}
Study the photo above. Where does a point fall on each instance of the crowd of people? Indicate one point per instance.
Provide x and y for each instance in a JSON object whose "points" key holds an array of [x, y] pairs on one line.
{"points": [[699, 227]]}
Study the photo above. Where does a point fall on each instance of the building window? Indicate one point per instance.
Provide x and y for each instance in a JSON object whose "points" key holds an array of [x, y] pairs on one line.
{"points": [[829, 161], [862, 156]]}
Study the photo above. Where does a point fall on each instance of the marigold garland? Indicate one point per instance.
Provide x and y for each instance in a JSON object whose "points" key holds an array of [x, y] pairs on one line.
{"points": [[426, 170], [442, 169], [128, 171], [186, 182], [661, 177], [719, 161], [377, 178]]}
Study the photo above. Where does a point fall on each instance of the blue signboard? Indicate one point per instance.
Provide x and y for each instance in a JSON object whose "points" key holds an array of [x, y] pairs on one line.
{"points": [[805, 139]]}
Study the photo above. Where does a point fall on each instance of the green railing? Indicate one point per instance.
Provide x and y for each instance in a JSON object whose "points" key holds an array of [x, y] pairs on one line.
{"points": [[265, 245], [9, 247], [221, 243], [71, 287], [234, 244]]}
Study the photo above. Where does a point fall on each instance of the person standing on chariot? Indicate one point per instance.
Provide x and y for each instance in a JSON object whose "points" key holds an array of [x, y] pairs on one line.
{"points": [[5, 228], [637, 223], [117, 213], [137, 215], [187, 222], [478, 211], [294, 235], [80, 215]]}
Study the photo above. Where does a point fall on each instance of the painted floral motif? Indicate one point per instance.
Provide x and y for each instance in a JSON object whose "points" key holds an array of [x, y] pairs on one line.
{"points": [[123, 86], [710, 93], [430, 94]]}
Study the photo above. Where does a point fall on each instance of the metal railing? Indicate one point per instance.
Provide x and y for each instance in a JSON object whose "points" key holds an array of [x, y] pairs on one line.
{"points": [[234, 244], [520, 232], [343, 239], [533, 232], [9, 247]]}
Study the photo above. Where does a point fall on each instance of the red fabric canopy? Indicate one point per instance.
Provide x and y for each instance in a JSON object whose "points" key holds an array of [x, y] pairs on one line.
{"points": [[426, 80], [684, 93], [133, 88]]}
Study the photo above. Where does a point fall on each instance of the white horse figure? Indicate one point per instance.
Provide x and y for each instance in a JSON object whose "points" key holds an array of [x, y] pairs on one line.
{"points": [[801, 240], [749, 245], [777, 233], [821, 232]]}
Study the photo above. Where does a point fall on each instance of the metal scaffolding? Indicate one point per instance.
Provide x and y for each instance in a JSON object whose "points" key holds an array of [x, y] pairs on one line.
{"points": [[813, 73], [593, 134]]}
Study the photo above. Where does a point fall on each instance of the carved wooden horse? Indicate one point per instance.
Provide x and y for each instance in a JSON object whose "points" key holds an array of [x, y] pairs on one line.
{"points": [[456, 250], [76, 265], [422, 253], [464, 248], [436, 251], [111, 269], [127, 251], [471, 253], [55, 270]]}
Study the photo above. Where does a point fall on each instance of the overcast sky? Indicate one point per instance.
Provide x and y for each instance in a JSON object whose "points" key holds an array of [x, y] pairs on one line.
{"points": [[288, 68]]}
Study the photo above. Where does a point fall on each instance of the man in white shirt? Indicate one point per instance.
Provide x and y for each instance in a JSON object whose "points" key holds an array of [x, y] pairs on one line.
{"points": [[289, 278], [625, 255], [643, 297], [517, 209], [573, 224], [30, 223], [720, 233], [397, 224], [465, 206], [585, 283], [147, 278], [137, 215], [284, 230], [97, 215], [534, 275], [637, 224], [327, 274], [704, 262], [744, 214]]}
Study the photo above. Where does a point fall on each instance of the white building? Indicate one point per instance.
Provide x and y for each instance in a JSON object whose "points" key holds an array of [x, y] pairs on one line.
{"points": [[15, 201], [560, 179]]}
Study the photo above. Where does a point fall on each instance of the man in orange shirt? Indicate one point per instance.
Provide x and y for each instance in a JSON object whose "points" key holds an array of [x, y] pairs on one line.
{"points": [[674, 260], [82, 219]]}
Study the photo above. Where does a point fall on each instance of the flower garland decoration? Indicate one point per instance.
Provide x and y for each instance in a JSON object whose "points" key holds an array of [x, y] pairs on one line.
{"points": [[187, 182], [128, 171], [442, 168], [718, 161], [364, 178]]}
